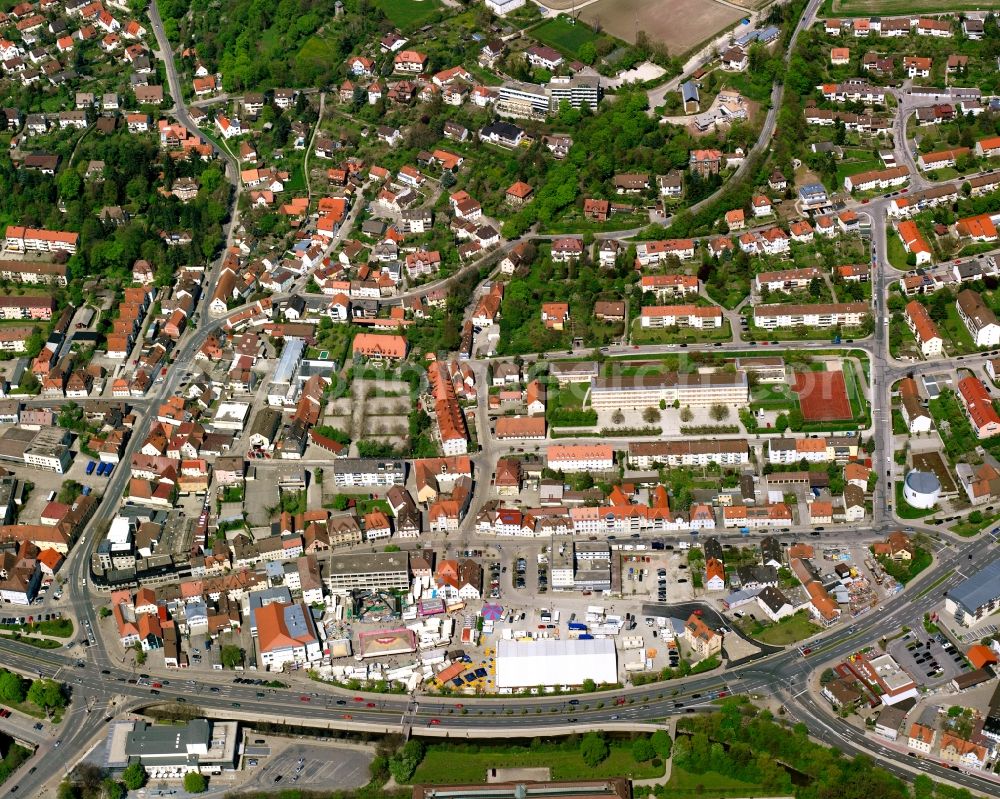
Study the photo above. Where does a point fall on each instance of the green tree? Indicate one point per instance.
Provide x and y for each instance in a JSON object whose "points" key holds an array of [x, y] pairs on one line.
{"points": [[112, 789], [11, 687], [47, 694], [67, 790], [231, 656], [134, 776], [195, 782], [587, 52], [719, 412], [589, 685], [643, 750], [405, 761], [661, 743], [593, 749]]}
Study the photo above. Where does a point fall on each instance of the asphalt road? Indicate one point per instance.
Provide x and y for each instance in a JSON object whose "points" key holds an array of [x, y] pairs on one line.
{"points": [[782, 674]]}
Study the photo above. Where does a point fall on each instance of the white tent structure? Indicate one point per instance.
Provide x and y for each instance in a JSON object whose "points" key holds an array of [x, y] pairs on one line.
{"points": [[523, 664]]}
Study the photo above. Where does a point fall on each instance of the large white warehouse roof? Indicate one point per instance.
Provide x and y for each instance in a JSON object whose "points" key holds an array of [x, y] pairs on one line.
{"points": [[522, 664]]}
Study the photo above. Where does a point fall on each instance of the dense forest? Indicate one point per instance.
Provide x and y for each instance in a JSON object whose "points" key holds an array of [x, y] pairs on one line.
{"points": [[258, 43], [748, 744], [131, 179]]}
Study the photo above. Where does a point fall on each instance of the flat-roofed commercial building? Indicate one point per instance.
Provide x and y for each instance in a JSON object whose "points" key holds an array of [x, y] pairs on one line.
{"points": [[977, 597], [368, 571], [169, 751], [522, 664]]}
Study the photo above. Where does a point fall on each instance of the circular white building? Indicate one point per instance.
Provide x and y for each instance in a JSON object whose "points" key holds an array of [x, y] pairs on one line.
{"points": [[921, 489]]}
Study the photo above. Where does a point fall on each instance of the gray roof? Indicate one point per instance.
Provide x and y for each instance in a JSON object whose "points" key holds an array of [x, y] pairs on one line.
{"points": [[923, 482], [159, 741], [979, 589], [689, 91], [368, 563]]}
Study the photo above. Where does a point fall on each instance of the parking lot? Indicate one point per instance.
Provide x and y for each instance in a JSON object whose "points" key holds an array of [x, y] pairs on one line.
{"points": [[314, 766], [932, 660]]}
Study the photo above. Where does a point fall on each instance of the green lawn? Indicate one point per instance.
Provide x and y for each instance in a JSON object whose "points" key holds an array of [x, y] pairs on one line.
{"points": [[57, 628], [710, 784], [956, 333], [859, 407], [408, 15], [787, 631], [894, 249], [564, 35], [565, 405], [968, 528], [773, 397], [38, 643], [846, 168], [905, 510], [445, 765]]}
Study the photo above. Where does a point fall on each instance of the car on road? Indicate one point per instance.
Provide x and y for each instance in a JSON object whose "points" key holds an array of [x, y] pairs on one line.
{"points": [[304, 698]]}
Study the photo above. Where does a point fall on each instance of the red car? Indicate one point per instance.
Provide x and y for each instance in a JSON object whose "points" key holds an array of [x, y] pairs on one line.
{"points": [[806, 651], [348, 716], [359, 699], [157, 685], [698, 612], [434, 722], [459, 705], [304, 699], [370, 704]]}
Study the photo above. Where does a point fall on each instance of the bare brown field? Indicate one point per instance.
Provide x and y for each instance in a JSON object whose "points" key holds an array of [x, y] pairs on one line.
{"points": [[679, 24]]}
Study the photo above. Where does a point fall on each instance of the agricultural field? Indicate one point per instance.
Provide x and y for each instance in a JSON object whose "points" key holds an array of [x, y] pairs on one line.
{"points": [[846, 8], [689, 23], [408, 15]]}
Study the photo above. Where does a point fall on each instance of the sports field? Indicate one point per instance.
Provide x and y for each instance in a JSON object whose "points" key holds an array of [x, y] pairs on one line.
{"points": [[408, 15], [848, 8], [564, 35], [823, 396], [678, 24]]}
